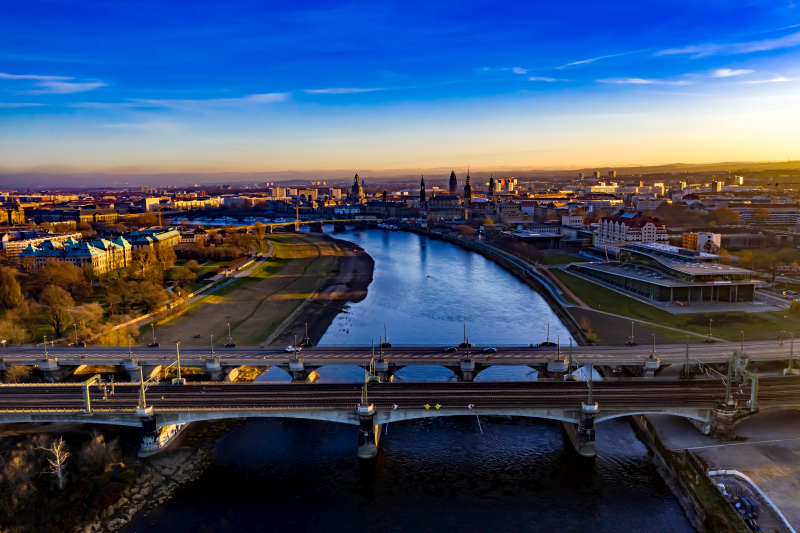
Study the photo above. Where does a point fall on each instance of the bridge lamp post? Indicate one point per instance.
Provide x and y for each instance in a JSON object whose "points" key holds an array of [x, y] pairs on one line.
{"points": [[742, 345], [710, 320], [76, 334]]}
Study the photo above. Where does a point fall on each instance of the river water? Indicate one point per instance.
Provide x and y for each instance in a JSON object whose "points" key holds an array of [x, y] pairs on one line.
{"points": [[463, 474]]}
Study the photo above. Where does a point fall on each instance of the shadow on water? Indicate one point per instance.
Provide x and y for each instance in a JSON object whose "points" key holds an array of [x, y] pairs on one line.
{"points": [[430, 475]]}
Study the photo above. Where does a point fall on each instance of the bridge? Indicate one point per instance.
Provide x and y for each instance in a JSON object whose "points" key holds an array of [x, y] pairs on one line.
{"points": [[714, 405], [465, 362], [316, 224]]}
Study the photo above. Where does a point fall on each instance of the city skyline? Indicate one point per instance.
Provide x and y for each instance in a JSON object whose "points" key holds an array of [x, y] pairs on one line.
{"points": [[210, 87]]}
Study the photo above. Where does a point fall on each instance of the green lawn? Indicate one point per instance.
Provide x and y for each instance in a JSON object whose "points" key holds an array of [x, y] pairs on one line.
{"points": [[561, 259], [729, 326]]}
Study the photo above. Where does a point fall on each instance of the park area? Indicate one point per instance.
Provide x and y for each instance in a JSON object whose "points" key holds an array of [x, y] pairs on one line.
{"points": [[257, 304]]}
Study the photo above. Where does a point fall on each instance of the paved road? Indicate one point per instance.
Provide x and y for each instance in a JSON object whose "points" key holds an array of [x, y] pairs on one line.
{"points": [[351, 355]]}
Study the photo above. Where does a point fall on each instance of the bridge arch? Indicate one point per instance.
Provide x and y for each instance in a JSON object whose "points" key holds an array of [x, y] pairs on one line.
{"points": [[407, 373]]}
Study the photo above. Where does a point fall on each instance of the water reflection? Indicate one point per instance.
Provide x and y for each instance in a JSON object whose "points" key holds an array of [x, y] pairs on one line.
{"points": [[426, 290]]}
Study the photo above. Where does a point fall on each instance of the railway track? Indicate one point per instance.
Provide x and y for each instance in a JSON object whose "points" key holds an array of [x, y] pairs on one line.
{"points": [[695, 393]]}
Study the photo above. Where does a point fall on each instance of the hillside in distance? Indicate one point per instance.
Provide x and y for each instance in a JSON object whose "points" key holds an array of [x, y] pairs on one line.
{"points": [[37, 180]]}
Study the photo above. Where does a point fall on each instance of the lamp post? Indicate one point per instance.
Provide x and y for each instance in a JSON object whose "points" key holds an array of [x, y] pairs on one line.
{"points": [[76, 334], [741, 348], [710, 320]]}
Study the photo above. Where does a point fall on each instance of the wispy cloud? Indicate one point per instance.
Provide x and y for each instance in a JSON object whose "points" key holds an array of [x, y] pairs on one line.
{"points": [[593, 59], [144, 126], [343, 90], [18, 104], [777, 79], [65, 87], [519, 70], [5, 76], [53, 84], [197, 104], [540, 78], [704, 50], [644, 81], [727, 72]]}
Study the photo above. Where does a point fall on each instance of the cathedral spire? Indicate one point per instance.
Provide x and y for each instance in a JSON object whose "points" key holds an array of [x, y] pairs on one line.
{"points": [[422, 195]]}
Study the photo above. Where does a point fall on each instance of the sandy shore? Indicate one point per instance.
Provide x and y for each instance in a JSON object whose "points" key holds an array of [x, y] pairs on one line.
{"points": [[347, 283]]}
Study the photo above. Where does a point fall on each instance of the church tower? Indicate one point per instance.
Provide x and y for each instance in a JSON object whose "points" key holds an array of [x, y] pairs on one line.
{"points": [[491, 188], [356, 192], [422, 196], [467, 191], [453, 183]]}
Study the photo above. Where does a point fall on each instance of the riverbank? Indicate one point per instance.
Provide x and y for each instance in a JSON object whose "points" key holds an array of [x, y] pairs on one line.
{"points": [[256, 305], [766, 452], [161, 475], [346, 283]]}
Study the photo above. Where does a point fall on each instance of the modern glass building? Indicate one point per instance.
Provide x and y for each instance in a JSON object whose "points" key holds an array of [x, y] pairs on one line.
{"points": [[666, 273]]}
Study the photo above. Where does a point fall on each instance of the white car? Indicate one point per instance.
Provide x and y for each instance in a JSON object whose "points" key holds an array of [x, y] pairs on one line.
{"points": [[293, 349]]}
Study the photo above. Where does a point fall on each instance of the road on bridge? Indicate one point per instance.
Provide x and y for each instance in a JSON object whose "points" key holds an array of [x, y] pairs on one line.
{"points": [[401, 355]]}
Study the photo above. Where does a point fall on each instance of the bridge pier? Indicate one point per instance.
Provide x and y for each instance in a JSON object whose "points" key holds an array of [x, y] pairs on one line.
{"points": [[214, 369], [300, 372], [383, 371], [154, 438], [557, 368], [315, 227], [651, 366], [723, 421], [582, 433], [466, 370], [52, 371], [339, 226], [369, 434]]}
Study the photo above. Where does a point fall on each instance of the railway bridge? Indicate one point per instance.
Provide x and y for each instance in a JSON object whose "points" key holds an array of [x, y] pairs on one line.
{"points": [[714, 405]]}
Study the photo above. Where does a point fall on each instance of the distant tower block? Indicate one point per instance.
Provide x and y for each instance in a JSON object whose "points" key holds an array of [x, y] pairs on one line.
{"points": [[612, 174], [580, 176], [597, 174]]}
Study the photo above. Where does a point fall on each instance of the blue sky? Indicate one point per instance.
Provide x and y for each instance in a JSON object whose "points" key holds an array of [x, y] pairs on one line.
{"points": [[248, 86]]}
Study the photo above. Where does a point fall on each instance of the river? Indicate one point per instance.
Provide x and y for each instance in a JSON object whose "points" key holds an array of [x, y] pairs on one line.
{"points": [[463, 474]]}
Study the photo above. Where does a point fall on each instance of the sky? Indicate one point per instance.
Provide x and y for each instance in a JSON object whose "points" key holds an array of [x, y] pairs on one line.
{"points": [[249, 86]]}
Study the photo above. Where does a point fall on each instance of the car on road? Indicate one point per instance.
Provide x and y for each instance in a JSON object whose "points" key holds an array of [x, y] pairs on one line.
{"points": [[293, 349], [489, 350], [451, 350]]}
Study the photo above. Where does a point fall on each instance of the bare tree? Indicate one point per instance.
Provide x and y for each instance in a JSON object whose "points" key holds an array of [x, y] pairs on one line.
{"points": [[144, 258], [57, 303], [17, 373], [58, 461]]}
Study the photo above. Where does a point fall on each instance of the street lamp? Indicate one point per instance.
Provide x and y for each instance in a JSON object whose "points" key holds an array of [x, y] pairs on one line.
{"points": [[710, 320], [76, 334], [230, 342], [742, 346], [153, 327]]}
